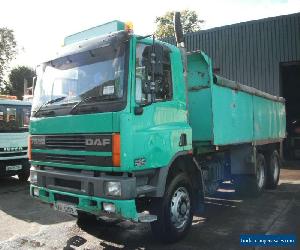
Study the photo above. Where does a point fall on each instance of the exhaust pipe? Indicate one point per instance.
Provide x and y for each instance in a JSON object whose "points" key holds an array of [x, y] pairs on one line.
{"points": [[178, 30], [180, 44]]}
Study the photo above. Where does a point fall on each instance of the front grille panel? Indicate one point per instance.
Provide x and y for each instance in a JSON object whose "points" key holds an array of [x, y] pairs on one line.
{"points": [[65, 142], [85, 142], [71, 143]]}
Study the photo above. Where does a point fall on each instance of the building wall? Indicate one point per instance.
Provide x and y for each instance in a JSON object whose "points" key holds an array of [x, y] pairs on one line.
{"points": [[251, 52]]}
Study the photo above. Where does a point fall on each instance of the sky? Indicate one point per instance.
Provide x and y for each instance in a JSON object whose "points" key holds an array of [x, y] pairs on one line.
{"points": [[41, 25]]}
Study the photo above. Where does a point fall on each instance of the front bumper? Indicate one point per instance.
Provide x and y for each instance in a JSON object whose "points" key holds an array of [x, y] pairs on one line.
{"points": [[87, 190], [85, 183], [91, 204]]}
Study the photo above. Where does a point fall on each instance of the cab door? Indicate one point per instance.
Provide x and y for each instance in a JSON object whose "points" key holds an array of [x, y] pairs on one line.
{"points": [[159, 126]]}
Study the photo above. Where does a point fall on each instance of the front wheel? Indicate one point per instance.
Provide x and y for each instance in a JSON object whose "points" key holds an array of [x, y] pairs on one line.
{"points": [[174, 211]]}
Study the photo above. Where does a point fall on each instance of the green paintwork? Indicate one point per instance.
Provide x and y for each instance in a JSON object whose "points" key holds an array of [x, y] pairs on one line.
{"points": [[199, 95], [199, 70], [157, 131], [77, 124], [201, 118], [100, 30], [269, 118], [124, 208], [232, 116], [223, 116]]}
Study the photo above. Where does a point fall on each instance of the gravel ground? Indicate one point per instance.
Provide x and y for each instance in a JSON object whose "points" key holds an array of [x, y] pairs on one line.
{"points": [[26, 223]]}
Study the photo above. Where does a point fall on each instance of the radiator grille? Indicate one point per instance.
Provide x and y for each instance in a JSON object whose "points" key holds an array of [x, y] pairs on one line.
{"points": [[72, 143], [13, 154], [65, 142]]}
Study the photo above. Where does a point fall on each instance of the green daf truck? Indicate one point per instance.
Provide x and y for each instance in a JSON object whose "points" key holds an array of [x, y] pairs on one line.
{"points": [[128, 126]]}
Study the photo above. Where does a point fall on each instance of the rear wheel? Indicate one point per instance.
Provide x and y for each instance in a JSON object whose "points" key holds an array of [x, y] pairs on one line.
{"points": [[252, 185], [174, 211], [273, 169]]}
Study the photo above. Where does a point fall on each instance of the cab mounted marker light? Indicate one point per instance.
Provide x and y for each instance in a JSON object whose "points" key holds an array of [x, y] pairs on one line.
{"points": [[129, 27]]}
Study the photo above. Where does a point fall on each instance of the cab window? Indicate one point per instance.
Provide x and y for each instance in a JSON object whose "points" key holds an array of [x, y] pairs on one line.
{"points": [[163, 88]]}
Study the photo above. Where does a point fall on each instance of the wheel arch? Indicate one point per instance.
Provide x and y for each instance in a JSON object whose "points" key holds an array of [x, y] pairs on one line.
{"points": [[182, 162]]}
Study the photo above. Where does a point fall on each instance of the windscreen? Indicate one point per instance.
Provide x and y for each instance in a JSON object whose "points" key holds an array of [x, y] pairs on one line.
{"points": [[14, 118], [93, 73]]}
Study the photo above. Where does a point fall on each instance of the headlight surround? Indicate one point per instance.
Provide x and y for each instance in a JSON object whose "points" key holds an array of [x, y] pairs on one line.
{"points": [[113, 188], [33, 174]]}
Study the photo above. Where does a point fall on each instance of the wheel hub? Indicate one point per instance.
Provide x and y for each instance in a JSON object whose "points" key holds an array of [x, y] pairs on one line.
{"points": [[180, 207], [183, 208]]}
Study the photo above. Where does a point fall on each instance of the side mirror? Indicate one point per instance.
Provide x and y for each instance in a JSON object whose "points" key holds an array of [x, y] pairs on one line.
{"points": [[153, 60]]}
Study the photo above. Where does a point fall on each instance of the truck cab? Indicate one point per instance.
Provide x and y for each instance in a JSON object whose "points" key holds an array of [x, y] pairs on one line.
{"points": [[14, 125]]}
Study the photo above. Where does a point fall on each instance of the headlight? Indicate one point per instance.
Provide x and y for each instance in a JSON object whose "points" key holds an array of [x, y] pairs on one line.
{"points": [[33, 175], [109, 207], [113, 188], [35, 192]]}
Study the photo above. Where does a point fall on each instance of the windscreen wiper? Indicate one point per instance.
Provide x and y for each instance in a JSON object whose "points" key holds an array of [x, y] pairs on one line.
{"points": [[49, 102], [91, 98]]}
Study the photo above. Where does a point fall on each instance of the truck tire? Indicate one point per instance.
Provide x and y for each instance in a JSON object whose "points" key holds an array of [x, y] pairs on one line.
{"points": [[252, 185], [273, 169], [174, 210]]}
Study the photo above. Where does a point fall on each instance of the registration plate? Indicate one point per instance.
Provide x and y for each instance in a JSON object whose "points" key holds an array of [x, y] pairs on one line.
{"points": [[66, 208], [13, 168]]}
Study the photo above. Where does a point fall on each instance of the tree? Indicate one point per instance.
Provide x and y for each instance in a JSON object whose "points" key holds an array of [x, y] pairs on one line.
{"points": [[5, 88], [7, 50], [165, 27], [16, 80]]}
